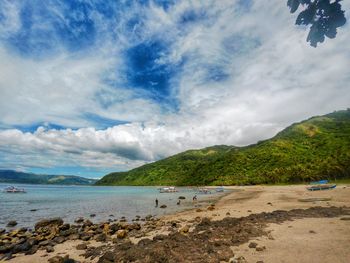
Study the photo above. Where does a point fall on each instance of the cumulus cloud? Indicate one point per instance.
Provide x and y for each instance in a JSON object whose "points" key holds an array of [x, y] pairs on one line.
{"points": [[188, 75]]}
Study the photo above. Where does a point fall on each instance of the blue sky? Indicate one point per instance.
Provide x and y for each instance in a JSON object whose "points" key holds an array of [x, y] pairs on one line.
{"points": [[90, 87]]}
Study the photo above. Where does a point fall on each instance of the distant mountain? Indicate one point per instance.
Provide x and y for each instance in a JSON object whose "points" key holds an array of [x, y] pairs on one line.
{"points": [[13, 177], [317, 148]]}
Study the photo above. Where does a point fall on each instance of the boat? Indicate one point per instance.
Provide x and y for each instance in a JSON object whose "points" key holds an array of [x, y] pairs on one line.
{"points": [[203, 191], [321, 187], [219, 189], [12, 189], [169, 189]]}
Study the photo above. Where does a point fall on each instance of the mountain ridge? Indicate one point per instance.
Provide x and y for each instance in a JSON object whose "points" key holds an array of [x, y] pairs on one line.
{"points": [[11, 176], [312, 149]]}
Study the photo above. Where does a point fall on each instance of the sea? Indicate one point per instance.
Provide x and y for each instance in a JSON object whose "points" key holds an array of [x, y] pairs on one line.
{"points": [[106, 202]]}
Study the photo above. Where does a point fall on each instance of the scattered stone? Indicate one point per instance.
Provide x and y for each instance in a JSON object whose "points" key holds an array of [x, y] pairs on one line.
{"points": [[199, 210], [345, 218], [48, 223], [79, 220], [101, 237], [121, 233], [312, 232], [182, 197], [260, 248], [249, 211], [12, 223], [33, 210], [252, 245], [92, 215], [111, 215], [269, 203], [184, 229], [210, 208], [2, 231], [163, 206], [81, 246], [49, 249], [228, 214], [260, 261]]}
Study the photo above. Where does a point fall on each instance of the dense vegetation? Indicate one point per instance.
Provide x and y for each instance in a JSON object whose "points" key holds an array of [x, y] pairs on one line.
{"points": [[317, 148], [9, 176]]}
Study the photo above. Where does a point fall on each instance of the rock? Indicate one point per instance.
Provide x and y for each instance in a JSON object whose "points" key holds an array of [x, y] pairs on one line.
{"points": [[210, 208], [269, 203], [100, 237], [252, 245], [79, 220], [64, 227], [33, 250], [74, 237], [240, 259], [163, 206], [92, 215], [228, 214], [108, 257], [121, 234], [260, 261], [33, 210], [6, 248], [86, 236], [48, 222], [49, 249], [12, 223], [182, 197], [260, 248], [184, 229], [2, 231], [198, 210], [312, 232], [345, 218], [81, 246], [56, 259], [59, 239]]}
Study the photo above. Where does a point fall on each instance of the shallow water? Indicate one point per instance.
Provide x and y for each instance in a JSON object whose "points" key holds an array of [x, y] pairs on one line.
{"points": [[70, 202]]}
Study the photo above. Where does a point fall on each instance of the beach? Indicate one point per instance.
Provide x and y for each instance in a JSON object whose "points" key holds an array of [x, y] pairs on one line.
{"points": [[250, 224]]}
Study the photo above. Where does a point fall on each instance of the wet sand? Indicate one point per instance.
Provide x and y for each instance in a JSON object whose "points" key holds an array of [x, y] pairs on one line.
{"points": [[316, 235]]}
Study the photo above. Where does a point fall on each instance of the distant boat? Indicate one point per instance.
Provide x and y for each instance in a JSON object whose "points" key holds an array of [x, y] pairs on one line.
{"points": [[12, 189], [321, 187], [169, 189], [203, 191], [219, 189]]}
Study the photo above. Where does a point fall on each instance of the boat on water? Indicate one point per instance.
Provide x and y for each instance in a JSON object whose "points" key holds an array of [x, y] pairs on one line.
{"points": [[169, 189], [320, 182], [219, 189], [321, 187], [12, 189], [203, 191]]}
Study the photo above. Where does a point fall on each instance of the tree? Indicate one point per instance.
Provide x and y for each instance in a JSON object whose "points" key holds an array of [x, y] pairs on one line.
{"points": [[324, 16]]}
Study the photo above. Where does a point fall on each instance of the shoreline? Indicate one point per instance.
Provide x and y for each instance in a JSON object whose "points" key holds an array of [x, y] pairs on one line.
{"points": [[249, 201]]}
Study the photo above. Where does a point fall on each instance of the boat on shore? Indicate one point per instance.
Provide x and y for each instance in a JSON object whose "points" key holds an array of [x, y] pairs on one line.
{"points": [[321, 187], [219, 189], [169, 189], [12, 189]]}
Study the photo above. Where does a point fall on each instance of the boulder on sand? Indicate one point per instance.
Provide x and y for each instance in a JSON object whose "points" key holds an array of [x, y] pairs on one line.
{"points": [[48, 223]]}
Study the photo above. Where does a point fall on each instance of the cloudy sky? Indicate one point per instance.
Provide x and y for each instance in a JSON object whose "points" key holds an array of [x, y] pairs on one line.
{"points": [[88, 87]]}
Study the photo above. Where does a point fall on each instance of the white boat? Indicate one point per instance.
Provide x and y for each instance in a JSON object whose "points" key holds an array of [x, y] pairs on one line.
{"points": [[219, 189], [203, 191], [169, 189], [12, 189]]}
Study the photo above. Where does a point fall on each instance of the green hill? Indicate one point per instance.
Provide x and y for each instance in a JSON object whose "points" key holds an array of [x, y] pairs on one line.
{"points": [[11, 177], [317, 148]]}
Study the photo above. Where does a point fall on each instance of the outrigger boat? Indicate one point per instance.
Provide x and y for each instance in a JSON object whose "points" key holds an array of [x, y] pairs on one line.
{"points": [[12, 189], [170, 189], [321, 187]]}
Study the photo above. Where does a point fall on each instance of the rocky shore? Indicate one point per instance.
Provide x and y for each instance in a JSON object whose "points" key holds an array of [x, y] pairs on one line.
{"points": [[206, 234]]}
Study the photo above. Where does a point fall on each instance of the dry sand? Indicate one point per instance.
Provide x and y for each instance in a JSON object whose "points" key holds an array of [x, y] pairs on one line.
{"points": [[301, 240]]}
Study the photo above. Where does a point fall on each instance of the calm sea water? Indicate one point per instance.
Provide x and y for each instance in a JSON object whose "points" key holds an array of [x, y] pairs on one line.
{"points": [[70, 202]]}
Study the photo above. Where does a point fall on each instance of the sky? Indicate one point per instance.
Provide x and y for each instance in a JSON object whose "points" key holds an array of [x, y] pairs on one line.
{"points": [[93, 86]]}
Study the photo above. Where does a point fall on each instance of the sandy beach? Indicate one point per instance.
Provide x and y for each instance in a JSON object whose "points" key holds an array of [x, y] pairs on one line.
{"points": [[305, 234]]}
